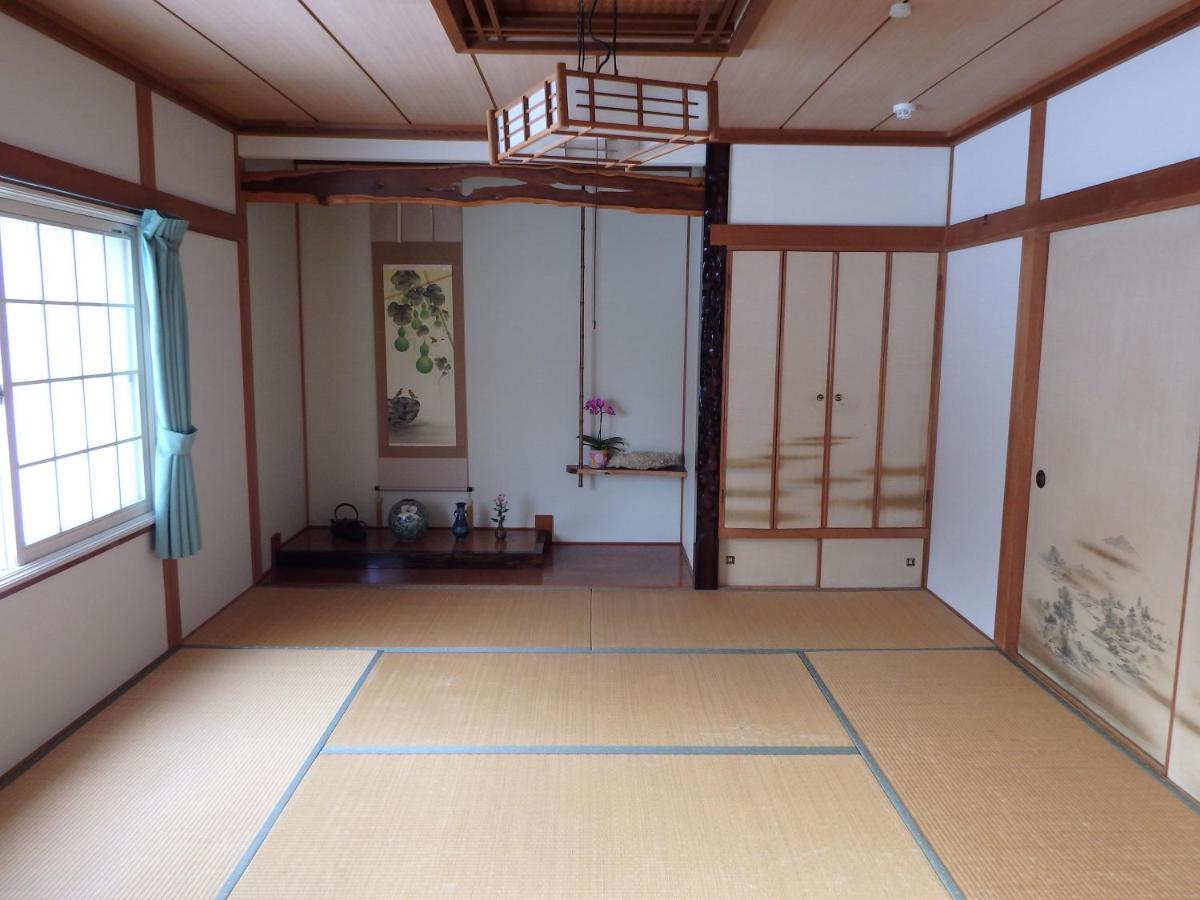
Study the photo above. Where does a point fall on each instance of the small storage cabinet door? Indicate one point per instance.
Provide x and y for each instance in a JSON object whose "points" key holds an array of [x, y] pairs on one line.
{"points": [[803, 385], [858, 339], [752, 334], [1118, 420]]}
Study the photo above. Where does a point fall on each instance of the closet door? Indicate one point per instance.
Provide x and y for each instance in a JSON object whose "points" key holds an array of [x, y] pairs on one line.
{"points": [[752, 332], [858, 337], [803, 388], [907, 384], [1118, 421]]}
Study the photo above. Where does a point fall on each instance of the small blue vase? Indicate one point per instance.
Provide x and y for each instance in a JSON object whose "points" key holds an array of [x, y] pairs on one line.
{"points": [[461, 528]]}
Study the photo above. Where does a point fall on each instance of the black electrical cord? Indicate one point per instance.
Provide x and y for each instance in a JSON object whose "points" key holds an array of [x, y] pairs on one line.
{"points": [[579, 38], [616, 20], [600, 63]]}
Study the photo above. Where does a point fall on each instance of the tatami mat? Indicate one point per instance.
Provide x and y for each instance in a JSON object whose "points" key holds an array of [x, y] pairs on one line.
{"points": [[771, 619], [589, 826], [160, 795], [374, 617], [1017, 795], [587, 699]]}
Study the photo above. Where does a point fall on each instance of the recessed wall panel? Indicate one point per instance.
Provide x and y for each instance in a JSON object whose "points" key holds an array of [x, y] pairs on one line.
{"points": [[768, 563], [753, 331], [904, 451], [871, 562], [856, 366], [803, 384]]}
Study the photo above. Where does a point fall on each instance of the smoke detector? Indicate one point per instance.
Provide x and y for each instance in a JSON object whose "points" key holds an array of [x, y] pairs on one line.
{"points": [[900, 10], [904, 110]]}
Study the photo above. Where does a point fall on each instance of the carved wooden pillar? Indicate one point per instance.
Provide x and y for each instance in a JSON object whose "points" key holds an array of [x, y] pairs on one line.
{"points": [[712, 372]]}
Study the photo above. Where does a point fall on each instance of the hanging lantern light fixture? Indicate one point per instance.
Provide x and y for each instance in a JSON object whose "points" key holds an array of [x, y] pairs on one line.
{"points": [[595, 118]]}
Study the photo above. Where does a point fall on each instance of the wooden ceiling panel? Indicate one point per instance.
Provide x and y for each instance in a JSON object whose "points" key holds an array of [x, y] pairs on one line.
{"points": [[1068, 32], [284, 44], [798, 44], [153, 38], [510, 76], [403, 46], [906, 56]]}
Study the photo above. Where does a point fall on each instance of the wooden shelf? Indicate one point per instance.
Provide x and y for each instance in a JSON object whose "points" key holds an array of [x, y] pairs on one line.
{"points": [[672, 472]]}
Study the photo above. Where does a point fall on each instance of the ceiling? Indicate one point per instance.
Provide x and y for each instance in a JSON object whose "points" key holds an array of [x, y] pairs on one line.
{"points": [[808, 64]]}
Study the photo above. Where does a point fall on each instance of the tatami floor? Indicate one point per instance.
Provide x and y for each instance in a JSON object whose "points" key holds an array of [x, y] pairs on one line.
{"points": [[383, 742]]}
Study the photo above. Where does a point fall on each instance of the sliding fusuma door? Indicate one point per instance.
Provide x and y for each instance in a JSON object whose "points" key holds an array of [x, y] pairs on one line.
{"points": [[1115, 457], [753, 335], [803, 385]]}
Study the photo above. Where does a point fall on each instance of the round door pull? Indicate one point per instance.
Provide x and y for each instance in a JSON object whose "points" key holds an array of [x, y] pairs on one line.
{"points": [[837, 397], [1040, 479], [820, 396]]}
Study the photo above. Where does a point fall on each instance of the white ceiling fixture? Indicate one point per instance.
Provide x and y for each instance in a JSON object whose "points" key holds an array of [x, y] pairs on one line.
{"points": [[904, 110], [900, 10], [595, 118]]}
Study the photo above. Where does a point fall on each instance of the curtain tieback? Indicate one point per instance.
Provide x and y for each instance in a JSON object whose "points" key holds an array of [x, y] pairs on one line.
{"points": [[177, 443]]}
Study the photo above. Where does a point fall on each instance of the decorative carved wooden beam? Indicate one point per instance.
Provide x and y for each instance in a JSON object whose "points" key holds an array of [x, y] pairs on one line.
{"points": [[479, 185]]}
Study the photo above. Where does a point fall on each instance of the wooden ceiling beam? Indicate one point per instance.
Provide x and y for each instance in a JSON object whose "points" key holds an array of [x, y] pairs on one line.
{"points": [[450, 185]]}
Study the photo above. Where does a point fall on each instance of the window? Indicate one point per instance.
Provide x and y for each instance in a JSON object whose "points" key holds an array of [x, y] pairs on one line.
{"points": [[72, 357]]}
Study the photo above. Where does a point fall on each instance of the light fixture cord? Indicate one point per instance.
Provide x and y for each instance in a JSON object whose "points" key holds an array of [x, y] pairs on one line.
{"points": [[600, 63], [579, 38], [616, 22]]}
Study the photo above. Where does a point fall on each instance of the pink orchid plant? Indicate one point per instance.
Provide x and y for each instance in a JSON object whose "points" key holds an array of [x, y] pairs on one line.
{"points": [[598, 406], [500, 506]]}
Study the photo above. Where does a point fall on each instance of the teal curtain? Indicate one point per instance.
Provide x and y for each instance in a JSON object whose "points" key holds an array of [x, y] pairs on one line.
{"points": [[177, 519]]}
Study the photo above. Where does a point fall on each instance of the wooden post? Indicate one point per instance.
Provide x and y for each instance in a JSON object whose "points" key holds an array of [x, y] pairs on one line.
{"points": [[712, 372]]}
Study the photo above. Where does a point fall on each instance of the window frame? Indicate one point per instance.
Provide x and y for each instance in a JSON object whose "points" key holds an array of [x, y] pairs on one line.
{"points": [[38, 207]]}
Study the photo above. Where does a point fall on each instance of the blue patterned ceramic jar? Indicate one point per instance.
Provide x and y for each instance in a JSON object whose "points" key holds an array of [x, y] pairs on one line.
{"points": [[408, 519]]}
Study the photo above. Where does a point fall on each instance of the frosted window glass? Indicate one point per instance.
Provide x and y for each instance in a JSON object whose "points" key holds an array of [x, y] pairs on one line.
{"points": [[74, 492], [119, 268], [62, 332], [70, 426], [39, 502], [128, 406], [89, 267], [101, 419], [26, 342], [58, 264], [93, 329], [106, 487], [32, 422], [19, 259], [133, 472], [124, 339]]}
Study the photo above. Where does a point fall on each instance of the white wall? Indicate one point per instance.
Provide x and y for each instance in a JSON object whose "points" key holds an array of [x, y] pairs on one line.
{"points": [[522, 324], [222, 570], [339, 357], [990, 170], [68, 641], [1136, 116], [978, 337], [193, 158], [56, 102], [278, 408], [805, 185]]}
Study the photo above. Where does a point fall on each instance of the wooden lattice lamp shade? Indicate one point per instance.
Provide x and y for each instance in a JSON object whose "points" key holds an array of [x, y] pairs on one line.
{"points": [[586, 118]]}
